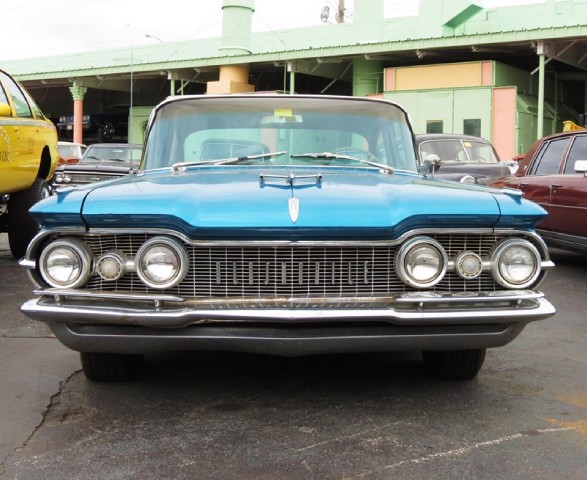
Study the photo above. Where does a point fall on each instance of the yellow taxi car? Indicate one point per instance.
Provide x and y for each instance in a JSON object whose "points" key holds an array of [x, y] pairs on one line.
{"points": [[28, 157]]}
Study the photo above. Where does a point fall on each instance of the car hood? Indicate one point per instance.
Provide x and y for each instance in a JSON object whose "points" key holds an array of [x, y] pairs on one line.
{"points": [[211, 201]]}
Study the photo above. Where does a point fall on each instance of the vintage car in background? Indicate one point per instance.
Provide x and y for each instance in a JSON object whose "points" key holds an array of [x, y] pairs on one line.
{"points": [[70, 152], [28, 157], [101, 161], [287, 225], [462, 158], [99, 126], [553, 174]]}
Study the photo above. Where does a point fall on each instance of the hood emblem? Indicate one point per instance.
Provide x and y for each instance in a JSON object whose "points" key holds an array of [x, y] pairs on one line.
{"points": [[294, 209]]}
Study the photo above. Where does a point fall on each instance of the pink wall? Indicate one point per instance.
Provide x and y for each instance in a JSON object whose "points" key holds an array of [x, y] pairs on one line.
{"points": [[504, 121]]}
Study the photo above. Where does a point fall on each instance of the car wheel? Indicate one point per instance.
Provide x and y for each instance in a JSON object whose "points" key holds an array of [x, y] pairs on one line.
{"points": [[110, 367], [22, 227], [107, 129], [454, 364]]}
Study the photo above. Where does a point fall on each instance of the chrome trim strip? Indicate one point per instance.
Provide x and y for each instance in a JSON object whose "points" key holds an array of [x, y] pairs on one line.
{"points": [[411, 298], [303, 243], [65, 293]]}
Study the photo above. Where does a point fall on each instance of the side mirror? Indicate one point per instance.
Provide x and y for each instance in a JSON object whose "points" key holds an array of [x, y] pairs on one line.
{"points": [[581, 167], [5, 110], [431, 164]]}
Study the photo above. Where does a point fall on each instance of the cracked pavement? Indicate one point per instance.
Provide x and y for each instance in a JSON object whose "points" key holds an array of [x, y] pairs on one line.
{"points": [[372, 416]]}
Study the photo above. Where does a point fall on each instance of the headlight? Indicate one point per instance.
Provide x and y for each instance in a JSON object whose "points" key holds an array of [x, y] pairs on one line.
{"points": [[421, 262], [161, 262], [58, 177], [468, 179], [66, 178], [468, 265], [111, 266], [516, 264], [65, 263]]}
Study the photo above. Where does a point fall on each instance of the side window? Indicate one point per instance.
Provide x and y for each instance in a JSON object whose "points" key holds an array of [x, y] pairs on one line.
{"points": [[3, 98], [549, 158], [20, 103], [578, 152], [33, 105]]}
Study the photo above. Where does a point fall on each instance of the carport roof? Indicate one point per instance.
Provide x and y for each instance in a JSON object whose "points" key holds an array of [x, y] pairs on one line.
{"points": [[507, 34]]}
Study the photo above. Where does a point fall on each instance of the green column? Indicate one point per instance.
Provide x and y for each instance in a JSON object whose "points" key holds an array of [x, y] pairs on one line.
{"points": [[367, 77], [540, 119]]}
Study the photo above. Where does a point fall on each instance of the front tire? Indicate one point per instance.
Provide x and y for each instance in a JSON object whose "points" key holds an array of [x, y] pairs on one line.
{"points": [[454, 364], [22, 227], [110, 367]]}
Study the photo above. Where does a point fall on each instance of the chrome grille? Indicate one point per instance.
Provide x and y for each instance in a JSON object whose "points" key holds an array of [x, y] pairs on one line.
{"points": [[294, 271], [77, 178]]}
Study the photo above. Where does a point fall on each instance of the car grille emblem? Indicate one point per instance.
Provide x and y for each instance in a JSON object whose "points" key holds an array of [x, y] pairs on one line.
{"points": [[294, 209]]}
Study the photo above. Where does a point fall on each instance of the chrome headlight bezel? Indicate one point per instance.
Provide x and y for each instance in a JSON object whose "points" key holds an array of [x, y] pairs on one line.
{"points": [[117, 259], [502, 276], [411, 248], [179, 266], [79, 253], [464, 262]]}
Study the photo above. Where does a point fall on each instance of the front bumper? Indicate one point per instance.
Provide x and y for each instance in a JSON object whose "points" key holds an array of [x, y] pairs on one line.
{"points": [[122, 323]]}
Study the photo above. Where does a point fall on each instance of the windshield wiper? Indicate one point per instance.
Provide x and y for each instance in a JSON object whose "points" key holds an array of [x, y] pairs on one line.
{"points": [[223, 161], [340, 156]]}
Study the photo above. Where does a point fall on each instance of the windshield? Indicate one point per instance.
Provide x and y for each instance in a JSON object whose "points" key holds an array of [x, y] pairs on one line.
{"points": [[280, 130], [112, 153], [459, 151]]}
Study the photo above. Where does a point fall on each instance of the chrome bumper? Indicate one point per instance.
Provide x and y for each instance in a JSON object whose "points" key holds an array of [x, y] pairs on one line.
{"points": [[165, 311]]}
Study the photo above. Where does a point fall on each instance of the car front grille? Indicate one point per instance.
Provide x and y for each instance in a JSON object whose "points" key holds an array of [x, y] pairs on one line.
{"points": [[294, 271], [92, 177]]}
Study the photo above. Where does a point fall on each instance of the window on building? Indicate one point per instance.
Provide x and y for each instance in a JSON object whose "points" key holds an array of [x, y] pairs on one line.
{"points": [[472, 126], [434, 126]]}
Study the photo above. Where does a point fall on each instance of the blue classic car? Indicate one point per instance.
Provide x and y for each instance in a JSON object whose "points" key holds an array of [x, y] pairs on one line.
{"points": [[288, 225]]}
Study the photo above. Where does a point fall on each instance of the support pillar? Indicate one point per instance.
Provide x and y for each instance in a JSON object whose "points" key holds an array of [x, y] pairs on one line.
{"points": [[236, 40], [541, 63], [78, 93], [367, 77]]}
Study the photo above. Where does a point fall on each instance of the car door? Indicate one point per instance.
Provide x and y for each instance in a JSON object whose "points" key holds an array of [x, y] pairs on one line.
{"points": [[23, 165], [569, 193], [537, 184]]}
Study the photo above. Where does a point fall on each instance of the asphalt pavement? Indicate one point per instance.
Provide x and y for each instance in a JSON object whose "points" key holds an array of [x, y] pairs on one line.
{"points": [[215, 415]]}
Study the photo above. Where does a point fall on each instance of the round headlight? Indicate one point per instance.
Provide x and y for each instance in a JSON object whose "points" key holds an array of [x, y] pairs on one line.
{"points": [[111, 266], [66, 178], [421, 262], [161, 262], [59, 178], [468, 265], [65, 263], [468, 179], [516, 264]]}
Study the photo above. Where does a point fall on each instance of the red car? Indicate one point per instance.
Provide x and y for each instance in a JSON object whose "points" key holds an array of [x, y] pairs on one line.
{"points": [[554, 174]]}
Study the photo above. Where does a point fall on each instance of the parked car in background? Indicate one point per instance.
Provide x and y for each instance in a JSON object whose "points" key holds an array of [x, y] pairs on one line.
{"points": [[70, 152], [101, 161], [289, 225], [462, 158], [552, 174], [98, 126], [28, 157]]}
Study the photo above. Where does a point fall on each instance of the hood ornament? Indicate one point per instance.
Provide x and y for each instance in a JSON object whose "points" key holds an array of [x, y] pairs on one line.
{"points": [[294, 209]]}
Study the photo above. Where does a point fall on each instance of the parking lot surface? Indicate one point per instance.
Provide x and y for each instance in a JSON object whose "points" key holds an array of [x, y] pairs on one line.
{"points": [[226, 415]]}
